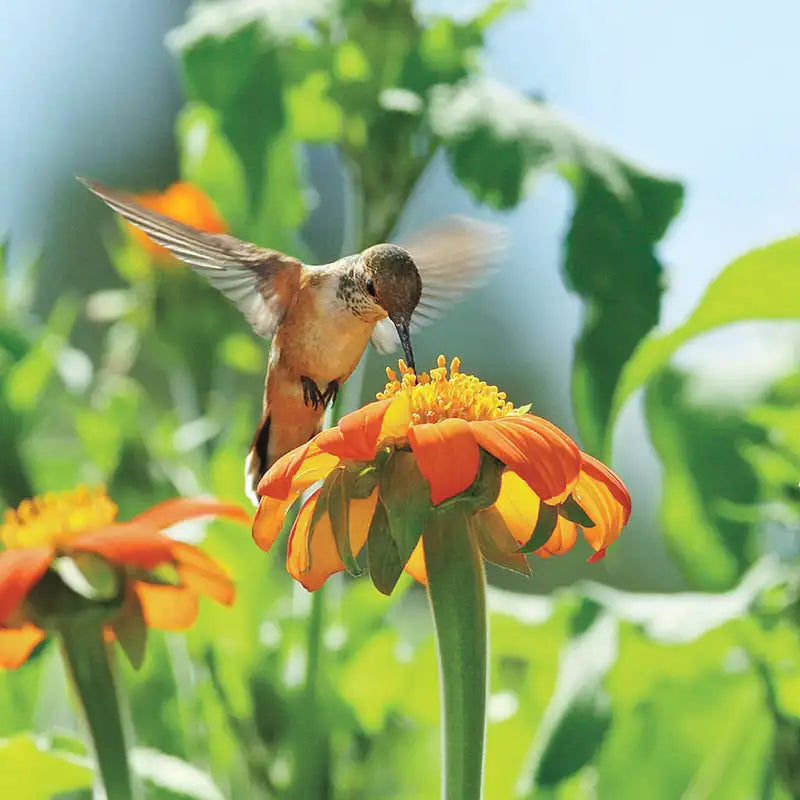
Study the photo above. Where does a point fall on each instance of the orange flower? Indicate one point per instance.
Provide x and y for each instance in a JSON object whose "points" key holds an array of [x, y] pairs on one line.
{"points": [[425, 443], [52, 541], [183, 202]]}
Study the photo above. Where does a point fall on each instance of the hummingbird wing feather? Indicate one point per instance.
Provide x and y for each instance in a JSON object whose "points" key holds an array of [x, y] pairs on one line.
{"points": [[452, 257], [260, 282]]}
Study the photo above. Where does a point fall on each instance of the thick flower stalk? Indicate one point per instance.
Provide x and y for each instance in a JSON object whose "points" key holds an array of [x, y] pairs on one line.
{"points": [[181, 201], [438, 474], [67, 568]]}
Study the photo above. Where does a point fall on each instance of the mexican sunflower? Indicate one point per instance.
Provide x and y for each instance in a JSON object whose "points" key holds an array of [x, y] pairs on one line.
{"points": [[184, 202], [427, 443], [64, 553]]}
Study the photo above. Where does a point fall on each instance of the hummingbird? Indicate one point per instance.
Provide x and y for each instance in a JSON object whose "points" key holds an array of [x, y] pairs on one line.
{"points": [[320, 318]]}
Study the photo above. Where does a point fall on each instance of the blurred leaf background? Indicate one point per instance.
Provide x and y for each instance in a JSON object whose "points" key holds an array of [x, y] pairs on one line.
{"points": [[319, 127]]}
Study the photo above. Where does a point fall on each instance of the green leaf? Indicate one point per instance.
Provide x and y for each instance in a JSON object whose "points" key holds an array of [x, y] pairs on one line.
{"points": [[693, 442], [543, 530], [406, 497], [759, 285], [29, 770], [570, 509], [339, 509], [496, 542], [497, 140], [383, 558]]}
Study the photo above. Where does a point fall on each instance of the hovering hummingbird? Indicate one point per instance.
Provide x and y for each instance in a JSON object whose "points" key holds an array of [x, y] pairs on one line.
{"points": [[320, 318]]}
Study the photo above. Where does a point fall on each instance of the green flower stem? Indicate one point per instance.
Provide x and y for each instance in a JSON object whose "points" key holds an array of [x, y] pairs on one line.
{"points": [[87, 657], [457, 592], [309, 767]]}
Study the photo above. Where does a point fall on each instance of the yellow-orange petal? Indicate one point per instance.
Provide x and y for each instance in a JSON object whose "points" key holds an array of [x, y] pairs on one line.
{"points": [[179, 509], [447, 455], [358, 433], [313, 566], [415, 566], [16, 645], [604, 498], [518, 505], [20, 570], [127, 543], [299, 468], [561, 539], [200, 573], [397, 419], [541, 453], [168, 608]]}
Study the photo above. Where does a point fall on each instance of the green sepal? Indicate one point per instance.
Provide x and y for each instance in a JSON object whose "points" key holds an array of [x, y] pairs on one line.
{"points": [[383, 559], [485, 489], [545, 525], [363, 481], [406, 497], [130, 628], [339, 494], [570, 509], [496, 542], [88, 575]]}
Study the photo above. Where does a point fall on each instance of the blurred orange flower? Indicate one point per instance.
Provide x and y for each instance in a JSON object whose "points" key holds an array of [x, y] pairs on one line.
{"points": [[184, 202], [76, 531], [426, 442]]}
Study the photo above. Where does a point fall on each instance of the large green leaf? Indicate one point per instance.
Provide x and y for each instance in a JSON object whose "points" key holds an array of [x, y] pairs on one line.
{"points": [[704, 474], [497, 140], [763, 284]]}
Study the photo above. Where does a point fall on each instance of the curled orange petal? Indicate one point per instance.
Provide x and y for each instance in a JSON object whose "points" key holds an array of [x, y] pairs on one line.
{"points": [[16, 645], [312, 562], [561, 539], [397, 420], [202, 574], [604, 498], [358, 433], [447, 455], [541, 453], [169, 608], [127, 543], [518, 505], [20, 570], [295, 472], [178, 509]]}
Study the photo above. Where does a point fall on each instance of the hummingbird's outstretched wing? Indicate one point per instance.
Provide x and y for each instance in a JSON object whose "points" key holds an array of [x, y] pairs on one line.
{"points": [[452, 257], [260, 282]]}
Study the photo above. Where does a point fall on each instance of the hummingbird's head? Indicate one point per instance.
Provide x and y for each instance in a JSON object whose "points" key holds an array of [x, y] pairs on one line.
{"points": [[392, 281]]}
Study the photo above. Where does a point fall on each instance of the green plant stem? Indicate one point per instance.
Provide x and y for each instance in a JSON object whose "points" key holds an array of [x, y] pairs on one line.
{"points": [[309, 772], [87, 657], [457, 592]]}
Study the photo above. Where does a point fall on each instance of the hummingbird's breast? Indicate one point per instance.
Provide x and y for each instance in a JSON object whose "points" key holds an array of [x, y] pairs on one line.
{"points": [[321, 337]]}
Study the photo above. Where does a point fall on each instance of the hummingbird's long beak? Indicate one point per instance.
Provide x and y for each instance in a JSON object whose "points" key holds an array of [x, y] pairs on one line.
{"points": [[405, 340]]}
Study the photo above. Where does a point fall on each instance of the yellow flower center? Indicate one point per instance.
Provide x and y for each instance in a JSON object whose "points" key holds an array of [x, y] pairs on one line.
{"points": [[435, 396], [56, 519]]}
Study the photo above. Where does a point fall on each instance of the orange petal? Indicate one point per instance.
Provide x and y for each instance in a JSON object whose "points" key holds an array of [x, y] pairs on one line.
{"points": [[202, 574], [447, 455], [304, 465], [169, 608], [16, 645], [358, 433], [561, 539], [361, 513], [542, 454], [415, 566], [182, 508], [604, 498], [313, 565], [518, 505], [20, 570], [127, 543], [397, 420]]}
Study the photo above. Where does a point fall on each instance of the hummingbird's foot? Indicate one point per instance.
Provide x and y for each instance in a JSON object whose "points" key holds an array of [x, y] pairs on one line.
{"points": [[329, 395], [311, 393]]}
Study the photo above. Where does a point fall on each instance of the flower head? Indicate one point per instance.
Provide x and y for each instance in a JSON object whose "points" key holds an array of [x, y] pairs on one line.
{"points": [[428, 441], [183, 202], [64, 553]]}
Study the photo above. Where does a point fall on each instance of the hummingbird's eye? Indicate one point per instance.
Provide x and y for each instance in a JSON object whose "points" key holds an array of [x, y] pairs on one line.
{"points": [[371, 287]]}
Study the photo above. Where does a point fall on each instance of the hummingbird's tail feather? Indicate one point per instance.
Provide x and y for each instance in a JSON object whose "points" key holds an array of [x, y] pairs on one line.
{"points": [[257, 461]]}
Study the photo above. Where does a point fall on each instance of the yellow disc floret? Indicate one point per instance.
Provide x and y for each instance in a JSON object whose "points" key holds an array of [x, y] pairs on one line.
{"points": [[56, 518], [436, 396]]}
